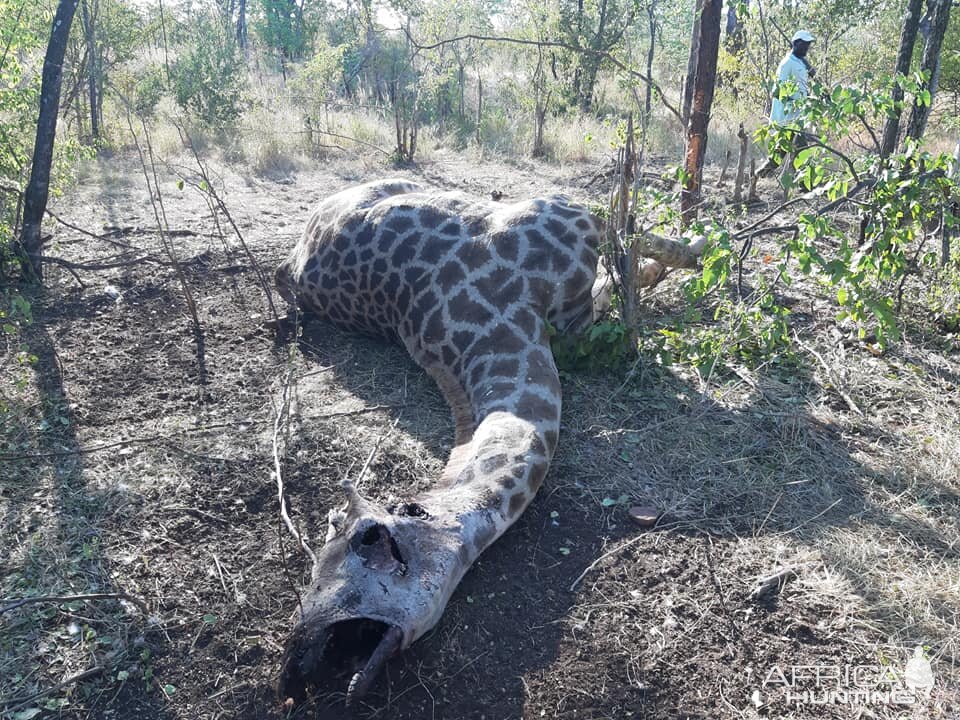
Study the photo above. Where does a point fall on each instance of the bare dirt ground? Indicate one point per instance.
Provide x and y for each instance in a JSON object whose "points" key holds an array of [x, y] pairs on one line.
{"points": [[129, 468]]}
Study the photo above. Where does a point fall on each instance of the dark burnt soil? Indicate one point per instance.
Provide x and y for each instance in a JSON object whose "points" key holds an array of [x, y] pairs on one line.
{"points": [[173, 482]]}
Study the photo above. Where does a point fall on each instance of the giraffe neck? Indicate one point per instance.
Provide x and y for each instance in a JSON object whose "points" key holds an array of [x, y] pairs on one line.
{"points": [[468, 287]]}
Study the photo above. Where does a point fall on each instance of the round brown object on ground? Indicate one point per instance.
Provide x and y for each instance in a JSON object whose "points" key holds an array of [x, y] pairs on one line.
{"points": [[644, 516]]}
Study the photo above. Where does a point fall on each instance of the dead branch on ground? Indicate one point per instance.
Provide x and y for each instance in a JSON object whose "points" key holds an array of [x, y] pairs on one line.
{"points": [[13, 604], [282, 414], [17, 702]]}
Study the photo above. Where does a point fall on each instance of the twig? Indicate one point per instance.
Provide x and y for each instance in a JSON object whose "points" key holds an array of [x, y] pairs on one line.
{"points": [[373, 452], [261, 276], [282, 413], [17, 702], [619, 548], [348, 138], [91, 267], [167, 442], [831, 376], [14, 604]]}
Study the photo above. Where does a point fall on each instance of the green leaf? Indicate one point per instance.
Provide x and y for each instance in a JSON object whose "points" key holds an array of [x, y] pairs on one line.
{"points": [[842, 296], [27, 714], [122, 675], [608, 502], [564, 550], [180, 184], [209, 619], [802, 156]]}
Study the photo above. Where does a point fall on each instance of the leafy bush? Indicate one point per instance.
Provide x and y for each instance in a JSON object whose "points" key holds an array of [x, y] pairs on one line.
{"points": [[208, 78], [148, 90], [604, 345]]}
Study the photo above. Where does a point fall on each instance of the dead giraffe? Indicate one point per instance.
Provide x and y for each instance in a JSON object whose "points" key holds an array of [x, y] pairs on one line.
{"points": [[469, 288]]}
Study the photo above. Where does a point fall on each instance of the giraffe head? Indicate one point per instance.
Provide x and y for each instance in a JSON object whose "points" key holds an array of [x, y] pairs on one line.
{"points": [[380, 582]]}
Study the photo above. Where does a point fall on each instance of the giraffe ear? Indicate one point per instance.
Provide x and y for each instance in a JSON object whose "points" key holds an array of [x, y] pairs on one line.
{"points": [[336, 519], [353, 497]]}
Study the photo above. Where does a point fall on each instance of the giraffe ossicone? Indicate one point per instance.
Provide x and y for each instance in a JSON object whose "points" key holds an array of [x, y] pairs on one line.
{"points": [[470, 287]]}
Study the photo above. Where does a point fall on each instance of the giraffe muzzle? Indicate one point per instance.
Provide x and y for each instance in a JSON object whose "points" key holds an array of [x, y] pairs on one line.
{"points": [[380, 581], [349, 653]]}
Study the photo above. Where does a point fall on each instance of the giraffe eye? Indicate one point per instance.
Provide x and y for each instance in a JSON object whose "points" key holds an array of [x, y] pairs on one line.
{"points": [[410, 509]]}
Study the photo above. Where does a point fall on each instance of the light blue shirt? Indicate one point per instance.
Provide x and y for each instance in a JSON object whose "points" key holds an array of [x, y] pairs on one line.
{"points": [[792, 69]]}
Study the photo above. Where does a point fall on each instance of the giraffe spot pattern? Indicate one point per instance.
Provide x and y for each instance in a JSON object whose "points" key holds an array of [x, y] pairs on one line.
{"points": [[467, 286]]}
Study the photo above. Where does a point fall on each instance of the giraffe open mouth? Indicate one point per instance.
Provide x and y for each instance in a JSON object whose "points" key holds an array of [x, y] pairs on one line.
{"points": [[323, 657]]}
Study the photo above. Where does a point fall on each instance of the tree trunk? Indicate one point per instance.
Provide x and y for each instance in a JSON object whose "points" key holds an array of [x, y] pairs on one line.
{"points": [[908, 38], [479, 110], [588, 81], [35, 197], [242, 25], [741, 166], [541, 103], [648, 96], [703, 86], [91, 71], [920, 113], [691, 64]]}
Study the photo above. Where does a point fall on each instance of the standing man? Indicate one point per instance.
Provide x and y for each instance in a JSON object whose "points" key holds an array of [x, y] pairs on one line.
{"points": [[797, 71]]}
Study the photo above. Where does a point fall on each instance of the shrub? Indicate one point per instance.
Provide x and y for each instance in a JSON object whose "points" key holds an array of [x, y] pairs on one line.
{"points": [[208, 78]]}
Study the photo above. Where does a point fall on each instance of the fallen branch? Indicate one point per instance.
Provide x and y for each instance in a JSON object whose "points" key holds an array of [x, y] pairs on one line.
{"points": [[618, 549], [282, 413], [168, 443], [832, 377], [14, 604], [17, 702], [348, 138], [92, 267]]}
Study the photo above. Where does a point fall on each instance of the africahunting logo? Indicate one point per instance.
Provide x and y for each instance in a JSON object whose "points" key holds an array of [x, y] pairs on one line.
{"points": [[855, 685]]}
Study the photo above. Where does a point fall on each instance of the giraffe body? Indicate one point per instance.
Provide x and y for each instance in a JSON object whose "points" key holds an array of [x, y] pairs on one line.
{"points": [[468, 287]]}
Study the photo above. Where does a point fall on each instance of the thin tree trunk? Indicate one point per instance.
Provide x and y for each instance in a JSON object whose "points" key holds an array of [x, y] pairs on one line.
{"points": [[242, 25], [920, 113], [948, 232], [648, 97], [479, 109], [35, 197], [91, 71], [691, 64], [163, 34], [703, 87], [741, 166], [721, 181], [908, 38]]}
